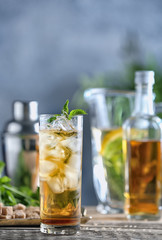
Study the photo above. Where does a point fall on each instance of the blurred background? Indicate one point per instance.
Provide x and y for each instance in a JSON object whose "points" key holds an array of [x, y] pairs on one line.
{"points": [[52, 50]]}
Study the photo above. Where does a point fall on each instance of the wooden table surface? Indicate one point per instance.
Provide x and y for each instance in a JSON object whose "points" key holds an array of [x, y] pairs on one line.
{"points": [[112, 227]]}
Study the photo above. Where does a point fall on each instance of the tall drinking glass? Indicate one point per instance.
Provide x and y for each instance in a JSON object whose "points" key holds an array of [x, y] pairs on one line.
{"points": [[60, 172], [108, 110]]}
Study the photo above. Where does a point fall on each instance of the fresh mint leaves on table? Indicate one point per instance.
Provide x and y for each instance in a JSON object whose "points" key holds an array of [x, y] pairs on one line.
{"points": [[65, 113], [10, 195]]}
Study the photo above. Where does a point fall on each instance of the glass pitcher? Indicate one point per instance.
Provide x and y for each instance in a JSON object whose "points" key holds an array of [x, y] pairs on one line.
{"points": [[108, 110]]}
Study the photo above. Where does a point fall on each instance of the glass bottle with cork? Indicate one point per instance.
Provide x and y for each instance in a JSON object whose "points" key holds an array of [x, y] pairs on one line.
{"points": [[142, 153]]}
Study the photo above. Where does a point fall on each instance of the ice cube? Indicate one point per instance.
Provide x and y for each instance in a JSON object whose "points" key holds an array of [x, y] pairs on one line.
{"points": [[44, 137], [46, 168], [69, 181], [56, 184], [75, 161], [62, 123], [59, 153], [49, 138], [73, 143], [71, 176]]}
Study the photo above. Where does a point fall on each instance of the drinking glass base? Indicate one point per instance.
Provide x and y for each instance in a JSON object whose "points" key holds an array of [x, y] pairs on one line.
{"points": [[105, 209], [59, 230], [148, 217]]}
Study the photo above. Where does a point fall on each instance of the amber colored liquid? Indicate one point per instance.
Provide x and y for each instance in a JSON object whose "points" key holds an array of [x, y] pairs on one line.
{"points": [[53, 213], [60, 177], [143, 181]]}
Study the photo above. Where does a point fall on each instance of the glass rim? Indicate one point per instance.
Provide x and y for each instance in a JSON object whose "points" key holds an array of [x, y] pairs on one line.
{"points": [[75, 122], [50, 115]]}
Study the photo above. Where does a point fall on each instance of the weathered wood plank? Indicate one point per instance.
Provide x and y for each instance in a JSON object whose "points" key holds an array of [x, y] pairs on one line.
{"points": [[103, 227], [88, 232]]}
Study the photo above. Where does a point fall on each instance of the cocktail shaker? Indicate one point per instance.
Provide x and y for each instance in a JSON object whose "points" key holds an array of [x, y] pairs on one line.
{"points": [[20, 144]]}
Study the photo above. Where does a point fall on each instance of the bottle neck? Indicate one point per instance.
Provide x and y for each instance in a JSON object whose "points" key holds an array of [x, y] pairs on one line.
{"points": [[143, 100]]}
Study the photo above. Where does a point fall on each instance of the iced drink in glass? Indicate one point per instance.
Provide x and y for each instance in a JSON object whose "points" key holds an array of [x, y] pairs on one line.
{"points": [[60, 164]]}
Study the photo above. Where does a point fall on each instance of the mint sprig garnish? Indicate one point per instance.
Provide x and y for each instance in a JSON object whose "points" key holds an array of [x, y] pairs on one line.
{"points": [[65, 113], [76, 112]]}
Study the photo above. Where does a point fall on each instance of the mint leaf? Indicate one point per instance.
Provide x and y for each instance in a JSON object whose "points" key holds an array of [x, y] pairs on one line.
{"points": [[65, 109], [10, 198], [10, 195], [1, 167], [5, 179], [50, 120], [76, 112]]}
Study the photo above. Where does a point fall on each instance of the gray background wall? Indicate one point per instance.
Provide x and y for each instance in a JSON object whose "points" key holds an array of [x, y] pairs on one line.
{"points": [[46, 45]]}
